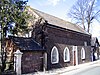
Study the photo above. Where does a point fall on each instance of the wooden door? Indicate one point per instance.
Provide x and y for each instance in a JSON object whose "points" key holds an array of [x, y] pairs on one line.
{"points": [[74, 59]]}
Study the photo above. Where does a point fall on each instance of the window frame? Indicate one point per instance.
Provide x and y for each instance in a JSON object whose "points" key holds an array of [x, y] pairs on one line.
{"points": [[57, 56], [68, 54], [83, 53], [30, 34]]}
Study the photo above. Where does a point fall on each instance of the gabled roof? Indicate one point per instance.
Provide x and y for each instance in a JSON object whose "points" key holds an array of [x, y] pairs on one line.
{"points": [[59, 22], [94, 40], [26, 43]]}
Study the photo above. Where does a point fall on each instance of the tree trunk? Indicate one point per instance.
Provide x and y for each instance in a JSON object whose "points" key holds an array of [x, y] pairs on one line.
{"points": [[88, 30], [83, 24]]}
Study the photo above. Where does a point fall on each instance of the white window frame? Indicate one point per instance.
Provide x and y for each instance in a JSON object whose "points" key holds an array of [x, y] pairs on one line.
{"points": [[30, 33], [68, 55], [82, 53], [57, 56]]}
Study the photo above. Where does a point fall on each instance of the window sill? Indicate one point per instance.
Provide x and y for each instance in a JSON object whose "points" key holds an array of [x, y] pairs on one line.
{"points": [[66, 60], [54, 62]]}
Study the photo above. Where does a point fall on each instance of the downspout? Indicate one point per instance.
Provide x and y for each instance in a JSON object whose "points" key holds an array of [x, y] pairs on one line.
{"points": [[43, 38], [43, 35]]}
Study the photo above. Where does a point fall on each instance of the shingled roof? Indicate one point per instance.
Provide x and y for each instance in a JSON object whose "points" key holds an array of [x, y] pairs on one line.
{"points": [[59, 22], [26, 43]]}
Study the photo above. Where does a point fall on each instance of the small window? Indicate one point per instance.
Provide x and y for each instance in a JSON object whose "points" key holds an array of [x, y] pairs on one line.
{"points": [[96, 45], [66, 55], [54, 55], [26, 35], [85, 43], [30, 33], [96, 55], [82, 53], [74, 48]]}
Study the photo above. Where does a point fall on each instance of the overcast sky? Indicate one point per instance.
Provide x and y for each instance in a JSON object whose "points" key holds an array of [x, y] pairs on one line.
{"points": [[60, 8]]}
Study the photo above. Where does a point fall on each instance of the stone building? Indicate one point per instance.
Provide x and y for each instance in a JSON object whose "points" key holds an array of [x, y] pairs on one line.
{"points": [[63, 44]]}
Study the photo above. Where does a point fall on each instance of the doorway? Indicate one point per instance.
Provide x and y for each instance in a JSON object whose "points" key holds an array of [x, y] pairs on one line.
{"points": [[75, 55], [74, 60]]}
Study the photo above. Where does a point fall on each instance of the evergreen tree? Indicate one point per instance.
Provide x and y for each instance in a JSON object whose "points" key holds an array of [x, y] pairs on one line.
{"points": [[11, 11]]}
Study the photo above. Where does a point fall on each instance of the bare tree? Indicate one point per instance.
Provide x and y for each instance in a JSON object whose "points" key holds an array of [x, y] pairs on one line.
{"points": [[84, 12]]}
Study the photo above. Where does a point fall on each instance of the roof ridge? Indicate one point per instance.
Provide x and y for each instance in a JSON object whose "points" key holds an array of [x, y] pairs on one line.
{"points": [[36, 12], [48, 14], [66, 24]]}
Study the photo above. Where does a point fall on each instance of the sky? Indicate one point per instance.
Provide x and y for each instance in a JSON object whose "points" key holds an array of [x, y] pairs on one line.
{"points": [[60, 8]]}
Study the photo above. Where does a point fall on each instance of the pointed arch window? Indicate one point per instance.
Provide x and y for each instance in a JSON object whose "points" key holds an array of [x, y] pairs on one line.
{"points": [[54, 55], [66, 55], [82, 53]]}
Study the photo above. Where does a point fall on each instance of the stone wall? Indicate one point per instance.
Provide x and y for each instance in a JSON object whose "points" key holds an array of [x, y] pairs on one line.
{"points": [[70, 63], [32, 61], [87, 54], [51, 35], [66, 38]]}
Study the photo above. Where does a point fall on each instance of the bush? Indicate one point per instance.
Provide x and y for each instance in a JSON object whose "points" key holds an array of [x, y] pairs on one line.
{"points": [[8, 72]]}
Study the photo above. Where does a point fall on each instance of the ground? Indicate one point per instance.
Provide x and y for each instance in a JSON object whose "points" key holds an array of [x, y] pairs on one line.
{"points": [[91, 68]]}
